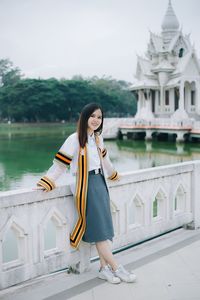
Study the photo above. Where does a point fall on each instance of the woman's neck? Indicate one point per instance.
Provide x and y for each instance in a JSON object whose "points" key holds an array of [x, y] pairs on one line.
{"points": [[90, 132]]}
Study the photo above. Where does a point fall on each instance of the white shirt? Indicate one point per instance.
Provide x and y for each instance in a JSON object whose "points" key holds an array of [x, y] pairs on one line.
{"points": [[93, 156], [71, 148]]}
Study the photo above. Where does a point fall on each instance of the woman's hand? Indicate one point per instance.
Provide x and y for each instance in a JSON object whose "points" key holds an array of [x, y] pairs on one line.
{"points": [[115, 176], [39, 188], [118, 177]]}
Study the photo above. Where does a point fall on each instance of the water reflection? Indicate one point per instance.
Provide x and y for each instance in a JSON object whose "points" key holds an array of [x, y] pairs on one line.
{"points": [[134, 155], [24, 159]]}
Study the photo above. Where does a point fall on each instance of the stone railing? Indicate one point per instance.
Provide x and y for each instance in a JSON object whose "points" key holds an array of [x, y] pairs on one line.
{"points": [[196, 125], [159, 122], [35, 226], [111, 126]]}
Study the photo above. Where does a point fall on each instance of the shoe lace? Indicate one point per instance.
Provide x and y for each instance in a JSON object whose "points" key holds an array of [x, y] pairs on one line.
{"points": [[107, 269], [121, 268], [111, 270]]}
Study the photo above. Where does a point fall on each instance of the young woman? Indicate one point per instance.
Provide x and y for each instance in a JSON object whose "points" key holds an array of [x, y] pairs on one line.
{"points": [[89, 162]]}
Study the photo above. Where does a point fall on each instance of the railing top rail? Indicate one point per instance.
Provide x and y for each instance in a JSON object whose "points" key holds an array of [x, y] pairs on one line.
{"points": [[156, 172], [27, 196]]}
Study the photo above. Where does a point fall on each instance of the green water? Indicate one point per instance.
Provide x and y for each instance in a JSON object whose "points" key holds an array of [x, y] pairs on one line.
{"points": [[26, 152]]}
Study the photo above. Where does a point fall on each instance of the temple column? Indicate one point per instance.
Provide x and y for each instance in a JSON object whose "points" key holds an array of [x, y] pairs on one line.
{"points": [[188, 97], [139, 101], [161, 99], [148, 101], [139, 104], [157, 107], [181, 97], [197, 97], [180, 113], [171, 100]]}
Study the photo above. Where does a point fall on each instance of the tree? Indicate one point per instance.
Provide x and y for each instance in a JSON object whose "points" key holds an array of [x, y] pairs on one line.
{"points": [[51, 100], [121, 101], [8, 73]]}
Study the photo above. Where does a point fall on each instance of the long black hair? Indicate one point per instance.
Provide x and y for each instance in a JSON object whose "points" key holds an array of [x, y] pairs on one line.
{"points": [[83, 122]]}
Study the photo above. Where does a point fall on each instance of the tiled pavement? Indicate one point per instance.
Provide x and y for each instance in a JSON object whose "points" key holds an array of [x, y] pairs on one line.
{"points": [[167, 268]]}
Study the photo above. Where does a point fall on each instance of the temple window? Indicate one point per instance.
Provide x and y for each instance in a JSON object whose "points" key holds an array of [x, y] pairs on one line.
{"points": [[153, 95], [167, 97], [176, 98], [181, 51], [159, 98], [192, 98]]}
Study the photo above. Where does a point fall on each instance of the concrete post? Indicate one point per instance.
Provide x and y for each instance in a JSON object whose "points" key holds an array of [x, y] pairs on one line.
{"points": [[84, 254], [195, 195], [180, 136], [148, 136]]}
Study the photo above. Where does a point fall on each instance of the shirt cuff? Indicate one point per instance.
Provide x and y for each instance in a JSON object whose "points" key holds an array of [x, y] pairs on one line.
{"points": [[46, 183], [104, 152], [114, 176]]}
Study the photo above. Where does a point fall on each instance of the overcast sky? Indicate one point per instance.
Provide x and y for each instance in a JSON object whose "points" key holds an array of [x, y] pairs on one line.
{"points": [[62, 38]]}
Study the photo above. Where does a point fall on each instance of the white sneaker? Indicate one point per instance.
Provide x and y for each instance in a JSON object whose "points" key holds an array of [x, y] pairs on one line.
{"points": [[106, 274], [124, 275]]}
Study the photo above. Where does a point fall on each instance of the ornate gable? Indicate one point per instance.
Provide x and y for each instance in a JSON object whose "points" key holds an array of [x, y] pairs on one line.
{"points": [[139, 74], [179, 46], [192, 67]]}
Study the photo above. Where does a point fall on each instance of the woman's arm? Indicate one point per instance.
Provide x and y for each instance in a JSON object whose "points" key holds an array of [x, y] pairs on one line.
{"points": [[111, 172], [61, 161], [53, 173]]}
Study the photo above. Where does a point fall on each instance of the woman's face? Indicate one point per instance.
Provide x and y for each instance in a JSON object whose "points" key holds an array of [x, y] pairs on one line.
{"points": [[95, 120]]}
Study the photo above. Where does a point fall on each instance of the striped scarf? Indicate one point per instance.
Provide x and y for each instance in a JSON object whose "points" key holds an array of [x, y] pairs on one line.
{"points": [[81, 194], [81, 198]]}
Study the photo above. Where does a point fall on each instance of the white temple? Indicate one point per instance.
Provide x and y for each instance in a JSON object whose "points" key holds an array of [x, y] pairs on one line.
{"points": [[167, 80]]}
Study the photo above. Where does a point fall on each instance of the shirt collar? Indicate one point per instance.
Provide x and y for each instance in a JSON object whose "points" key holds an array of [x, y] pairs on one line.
{"points": [[91, 136]]}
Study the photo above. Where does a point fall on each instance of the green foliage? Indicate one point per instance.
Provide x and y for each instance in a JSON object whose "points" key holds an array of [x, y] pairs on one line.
{"points": [[8, 74], [52, 100], [120, 101]]}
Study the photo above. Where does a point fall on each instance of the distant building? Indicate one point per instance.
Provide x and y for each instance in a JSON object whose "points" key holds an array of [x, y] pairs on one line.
{"points": [[167, 80]]}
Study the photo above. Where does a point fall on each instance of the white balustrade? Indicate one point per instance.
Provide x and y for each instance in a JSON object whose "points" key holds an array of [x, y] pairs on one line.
{"points": [[196, 125], [35, 226], [112, 125]]}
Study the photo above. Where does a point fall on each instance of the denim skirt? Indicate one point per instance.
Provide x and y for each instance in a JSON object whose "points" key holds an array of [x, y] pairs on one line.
{"points": [[99, 225]]}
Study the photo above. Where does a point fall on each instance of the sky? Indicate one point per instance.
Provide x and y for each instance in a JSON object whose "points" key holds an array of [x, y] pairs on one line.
{"points": [[63, 38]]}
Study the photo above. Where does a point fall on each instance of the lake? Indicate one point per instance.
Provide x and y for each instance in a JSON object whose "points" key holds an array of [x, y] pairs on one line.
{"points": [[26, 152]]}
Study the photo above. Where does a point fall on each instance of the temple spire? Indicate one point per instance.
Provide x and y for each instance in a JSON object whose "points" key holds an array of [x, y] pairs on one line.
{"points": [[170, 24]]}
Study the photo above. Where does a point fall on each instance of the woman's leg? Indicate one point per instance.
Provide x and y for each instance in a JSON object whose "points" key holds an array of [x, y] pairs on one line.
{"points": [[103, 263], [105, 252]]}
